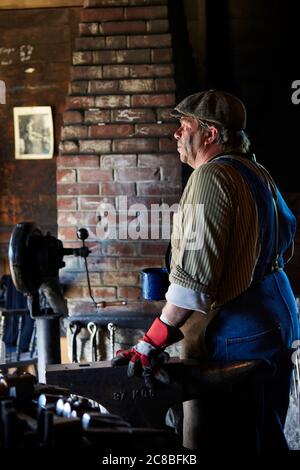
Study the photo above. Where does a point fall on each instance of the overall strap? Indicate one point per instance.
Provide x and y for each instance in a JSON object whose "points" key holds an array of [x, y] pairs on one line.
{"points": [[265, 197]]}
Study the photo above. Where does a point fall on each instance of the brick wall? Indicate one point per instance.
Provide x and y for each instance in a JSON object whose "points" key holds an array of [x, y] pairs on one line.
{"points": [[117, 146], [28, 187]]}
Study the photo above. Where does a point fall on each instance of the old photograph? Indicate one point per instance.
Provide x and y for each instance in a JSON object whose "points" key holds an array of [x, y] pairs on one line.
{"points": [[33, 132]]}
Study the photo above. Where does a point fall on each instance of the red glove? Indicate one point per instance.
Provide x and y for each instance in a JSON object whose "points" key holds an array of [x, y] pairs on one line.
{"points": [[148, 354]]}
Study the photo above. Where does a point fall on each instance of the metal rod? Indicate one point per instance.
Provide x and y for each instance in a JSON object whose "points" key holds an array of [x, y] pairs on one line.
{"points": [[48, 344]]}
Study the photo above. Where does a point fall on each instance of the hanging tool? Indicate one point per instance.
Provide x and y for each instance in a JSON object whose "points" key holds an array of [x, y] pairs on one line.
{"points": [[75, 329], [112, 328], [93, 328]]}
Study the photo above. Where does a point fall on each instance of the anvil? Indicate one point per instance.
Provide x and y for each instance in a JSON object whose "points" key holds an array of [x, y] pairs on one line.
{"points": [[129, 398]]}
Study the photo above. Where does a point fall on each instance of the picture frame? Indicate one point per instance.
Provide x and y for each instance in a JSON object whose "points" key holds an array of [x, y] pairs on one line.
{"points": [[33, 127]]}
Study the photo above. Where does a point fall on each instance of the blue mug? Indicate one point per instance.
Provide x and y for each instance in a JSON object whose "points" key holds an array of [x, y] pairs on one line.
{"points": [[155, 283]]}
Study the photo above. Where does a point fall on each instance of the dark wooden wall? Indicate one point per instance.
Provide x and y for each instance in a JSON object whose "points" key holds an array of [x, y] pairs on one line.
{"points": [[248, 44], [43, 40]]}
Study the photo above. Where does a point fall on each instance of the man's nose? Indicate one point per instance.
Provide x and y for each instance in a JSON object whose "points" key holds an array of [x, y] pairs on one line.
{"points": [[177, 133]]}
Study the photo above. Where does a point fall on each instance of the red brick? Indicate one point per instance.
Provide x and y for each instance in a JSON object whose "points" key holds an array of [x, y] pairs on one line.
{"points": [[147, 201], [68, 147], [165, 84], [133, 115], [137, 86], [100, 293], [72, 263], [161, 55], [78, 88], [112, 131], [103, 86], [137, 174], [150, 40], [153, 100], [93, 203], [84, 307], [67, 203], [115, 161], [113, 101], [139, 263], [129, 293], [103, 14], [74, 292], [86, 72], [89, 43], [115, 71], [72, 117], [119, 249], [163, 70], [115, 42], [77, 218], [150, 12], [170, 200], [134, 56], [120, 279], [91, 161], [153, 130], [103, 3], [78, 189], [94, 146], [94, 175], [66, 233], [79, 278], [135, 145], [167, 145], [155, 249], [80, 102], [104, 57], [157, 26], [80, 58], [149, 189], [159, 160], [114, 189], [86, 29], [5, 237], [172, 174], [102, 264], [66, 176], [94, 116], [123, 27], [74, 132]]}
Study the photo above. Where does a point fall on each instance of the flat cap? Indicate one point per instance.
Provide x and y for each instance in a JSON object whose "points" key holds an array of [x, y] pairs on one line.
{"points": [[214, 106]]}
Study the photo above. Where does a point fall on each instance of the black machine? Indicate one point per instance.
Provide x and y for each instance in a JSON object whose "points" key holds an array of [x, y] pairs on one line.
{"points": [[35, 260]]}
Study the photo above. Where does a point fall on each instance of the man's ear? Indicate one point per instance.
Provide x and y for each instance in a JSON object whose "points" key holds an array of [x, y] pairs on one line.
{"points": [[211, 134]]}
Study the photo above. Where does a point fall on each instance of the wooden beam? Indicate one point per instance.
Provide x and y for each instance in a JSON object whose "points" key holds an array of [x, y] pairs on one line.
{"points": [[23, 4]]}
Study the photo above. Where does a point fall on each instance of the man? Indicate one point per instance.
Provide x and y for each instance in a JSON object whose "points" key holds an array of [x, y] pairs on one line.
{"points": [[229, 296]]}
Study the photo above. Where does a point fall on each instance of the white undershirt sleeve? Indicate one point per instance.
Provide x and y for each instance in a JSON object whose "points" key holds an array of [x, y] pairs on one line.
{"points": [[188, 298]]}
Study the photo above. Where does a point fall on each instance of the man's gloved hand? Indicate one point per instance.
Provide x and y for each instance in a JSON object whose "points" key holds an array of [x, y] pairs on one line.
{"points": [[148, 355]]}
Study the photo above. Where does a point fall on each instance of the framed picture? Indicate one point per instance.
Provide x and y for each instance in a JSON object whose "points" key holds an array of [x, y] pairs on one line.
{"points": [[33, 132]]}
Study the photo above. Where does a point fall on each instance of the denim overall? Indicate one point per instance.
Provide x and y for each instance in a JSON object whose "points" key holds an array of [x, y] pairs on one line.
{"points": [[261, 323]]}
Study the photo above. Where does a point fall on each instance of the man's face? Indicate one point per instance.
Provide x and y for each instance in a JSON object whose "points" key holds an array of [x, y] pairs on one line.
{"points": [[189, 140]]}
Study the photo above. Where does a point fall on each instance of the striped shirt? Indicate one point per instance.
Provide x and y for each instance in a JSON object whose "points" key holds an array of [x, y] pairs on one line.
{"points": [[222, 263]]}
